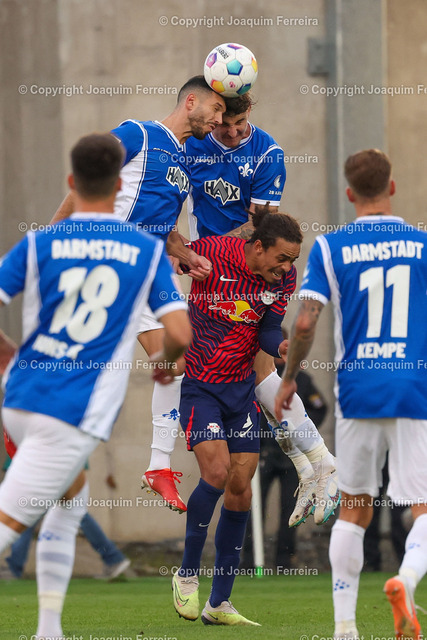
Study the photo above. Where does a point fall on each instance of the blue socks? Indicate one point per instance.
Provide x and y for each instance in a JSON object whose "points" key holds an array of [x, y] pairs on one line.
{"points": [[229, 537], [200, 508]]}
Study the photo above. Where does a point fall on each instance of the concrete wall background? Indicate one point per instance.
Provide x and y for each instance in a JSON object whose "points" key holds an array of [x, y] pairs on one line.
{"points": [[89, 47]]}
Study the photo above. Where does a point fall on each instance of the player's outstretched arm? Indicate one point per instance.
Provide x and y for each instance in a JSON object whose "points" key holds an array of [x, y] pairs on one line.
{"points": [[302, 336], [7, 350], [176, 341], [65, 209]]}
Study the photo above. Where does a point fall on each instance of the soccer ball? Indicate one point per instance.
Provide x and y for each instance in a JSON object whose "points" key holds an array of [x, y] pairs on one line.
{"points": [[230, 69]]}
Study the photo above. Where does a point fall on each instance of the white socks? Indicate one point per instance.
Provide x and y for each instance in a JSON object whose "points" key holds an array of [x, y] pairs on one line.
{"points": [[165, 409], [414, 563], [55, 560], [307, 445], [7, 536], [346, 558]]}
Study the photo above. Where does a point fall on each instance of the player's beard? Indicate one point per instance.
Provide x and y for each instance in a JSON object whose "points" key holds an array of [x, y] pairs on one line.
{"points": [[198, 127]]}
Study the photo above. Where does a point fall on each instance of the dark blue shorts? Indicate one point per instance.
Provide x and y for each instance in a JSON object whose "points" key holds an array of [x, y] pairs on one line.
{"points": [[220, 411]]}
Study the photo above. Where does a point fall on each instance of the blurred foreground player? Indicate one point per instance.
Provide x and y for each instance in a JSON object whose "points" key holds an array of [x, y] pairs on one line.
{"points": [[375, 272], [84, 290]]}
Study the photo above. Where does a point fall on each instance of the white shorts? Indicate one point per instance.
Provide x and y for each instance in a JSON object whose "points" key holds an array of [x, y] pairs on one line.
{"points": [[361, 447], [50, 455], [147, 321]]}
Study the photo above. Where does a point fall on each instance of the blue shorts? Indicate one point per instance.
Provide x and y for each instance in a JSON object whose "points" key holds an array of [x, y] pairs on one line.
{"points": [[220, 411]]}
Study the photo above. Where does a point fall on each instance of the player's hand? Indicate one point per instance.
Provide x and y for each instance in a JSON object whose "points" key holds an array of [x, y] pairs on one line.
{"points": [[164, 371], [175, 265], [200, 267], [283, 349], [7, 351], [283, 398]]}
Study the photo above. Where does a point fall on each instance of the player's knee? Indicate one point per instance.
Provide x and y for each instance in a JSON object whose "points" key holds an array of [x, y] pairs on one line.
{"points": [[216, 475]]}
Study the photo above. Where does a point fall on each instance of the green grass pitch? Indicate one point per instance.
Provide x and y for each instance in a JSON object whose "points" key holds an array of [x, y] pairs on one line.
{"points": [[288, 607]]}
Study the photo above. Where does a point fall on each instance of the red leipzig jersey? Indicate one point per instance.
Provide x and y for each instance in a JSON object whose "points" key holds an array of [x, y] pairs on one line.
{"points": [[226, 310]]}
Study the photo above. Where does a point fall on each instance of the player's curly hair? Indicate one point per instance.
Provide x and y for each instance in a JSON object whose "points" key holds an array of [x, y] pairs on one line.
{"points": [[270, 226], [236, 106]]}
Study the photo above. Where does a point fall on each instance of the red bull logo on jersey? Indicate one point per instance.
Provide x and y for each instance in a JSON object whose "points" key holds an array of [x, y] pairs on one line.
{"points": [[236, 310]]}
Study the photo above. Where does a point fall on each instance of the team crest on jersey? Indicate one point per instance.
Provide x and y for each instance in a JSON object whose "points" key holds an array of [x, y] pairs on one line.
{"points": [[268, 297], [177, 178], [246, 170], [214, 427], [223, 190], [277, 182]]}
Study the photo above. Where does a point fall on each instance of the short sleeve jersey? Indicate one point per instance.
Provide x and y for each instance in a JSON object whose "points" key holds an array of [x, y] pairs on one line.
{"points": [[85, 282], [375, 272], [155, 178], [224, 180]]}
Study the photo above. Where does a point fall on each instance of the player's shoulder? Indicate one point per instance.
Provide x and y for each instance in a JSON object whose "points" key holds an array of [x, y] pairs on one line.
{"points": [[263, 138], [194, 145]]}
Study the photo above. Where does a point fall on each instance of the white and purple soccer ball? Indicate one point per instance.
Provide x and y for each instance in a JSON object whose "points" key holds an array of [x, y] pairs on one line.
{"points": [[231, 69]]}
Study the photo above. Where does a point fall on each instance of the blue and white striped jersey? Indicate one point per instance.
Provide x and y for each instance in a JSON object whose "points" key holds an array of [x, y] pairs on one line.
{"points": [[155, 178], [375, 272], [85, 282]]}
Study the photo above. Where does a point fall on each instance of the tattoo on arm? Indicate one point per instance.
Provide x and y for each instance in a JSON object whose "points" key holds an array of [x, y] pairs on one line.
{"points": [[302, 336], [244, 231]]}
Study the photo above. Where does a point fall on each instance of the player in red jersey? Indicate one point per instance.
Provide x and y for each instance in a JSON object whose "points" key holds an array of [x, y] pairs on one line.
{"points": [[236, 311]]}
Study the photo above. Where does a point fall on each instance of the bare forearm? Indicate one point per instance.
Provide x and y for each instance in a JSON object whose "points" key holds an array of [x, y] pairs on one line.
{"points": [[302, 337], [65, 209], [175, 246], [7, 350]]}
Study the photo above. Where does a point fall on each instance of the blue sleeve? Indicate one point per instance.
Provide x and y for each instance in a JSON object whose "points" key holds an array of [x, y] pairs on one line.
{"points": [[269, 177], [270, 333], [315, 281], [132, 136], [13, 268], [165, 295]]}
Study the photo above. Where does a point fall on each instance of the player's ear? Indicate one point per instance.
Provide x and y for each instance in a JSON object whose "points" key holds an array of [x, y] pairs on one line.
{"points": [[190, 101], [119, 184], [70, 181], [392, 187], [350, 195]]}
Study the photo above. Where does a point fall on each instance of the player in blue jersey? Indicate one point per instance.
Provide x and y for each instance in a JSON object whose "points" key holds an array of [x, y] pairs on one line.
{"points": [[85, 282], [155, 184], [375, 272], [236, 169], [237, 309]]}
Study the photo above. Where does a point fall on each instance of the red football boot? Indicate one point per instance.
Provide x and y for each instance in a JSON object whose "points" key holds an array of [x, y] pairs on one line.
{"points": [[162, 481]]}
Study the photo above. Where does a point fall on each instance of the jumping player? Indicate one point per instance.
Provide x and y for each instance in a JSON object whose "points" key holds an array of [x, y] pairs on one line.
{"points": [[237, 309], [84, 291], [375, 272], [155, 183], [236, 169]]}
